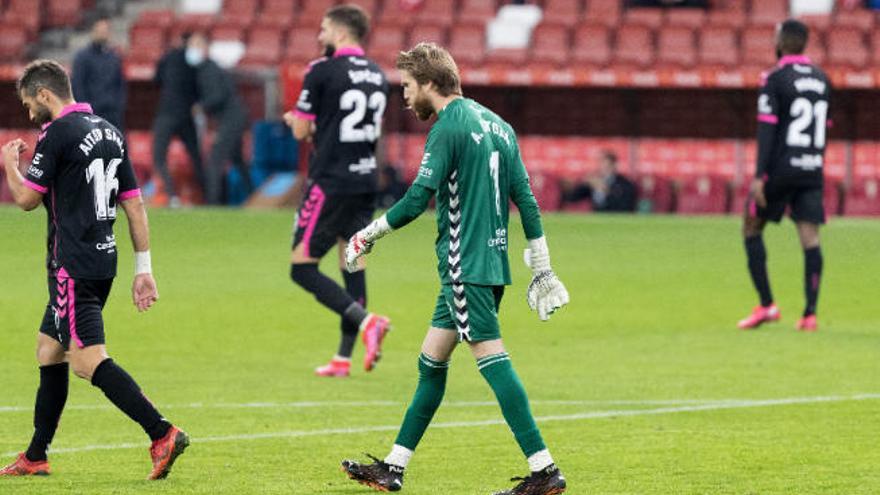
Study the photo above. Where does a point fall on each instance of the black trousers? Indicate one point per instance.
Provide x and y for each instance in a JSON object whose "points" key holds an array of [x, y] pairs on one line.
{"points": [[227, 148], [166, 127]]}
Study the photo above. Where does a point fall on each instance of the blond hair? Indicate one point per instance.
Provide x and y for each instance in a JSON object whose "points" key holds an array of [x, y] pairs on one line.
{"points": [[429, 62]]}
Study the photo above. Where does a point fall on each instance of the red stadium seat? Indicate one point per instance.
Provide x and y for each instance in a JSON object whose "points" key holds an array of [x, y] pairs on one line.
{"points": [[702, 195], [692, 18], [158, 18], [29, 20], [550, 43], [592, 45], [507, 57], [606, 12], [436, 11], [758, 46], [866, 160], [477, 11], [146, 43], [835, 160], [467, 44], [718, 46], [227, 32], [276, 13], [651, 17], [264, 47], [189, 23], [13, 40], [816, 48], [371, 7], [302, 45], [677, 46], [768, 12], [386, 41], [863, 20], [863, 198], [656, 193], [735, 19], [635, 46], [847, 47], [239, 12], [566, 12], [60, 13], [312, 11], [427, 32]]}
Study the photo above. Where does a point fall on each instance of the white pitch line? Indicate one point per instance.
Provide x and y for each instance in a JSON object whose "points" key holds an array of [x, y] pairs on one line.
{"points": [[739, 404], [377, 403]]}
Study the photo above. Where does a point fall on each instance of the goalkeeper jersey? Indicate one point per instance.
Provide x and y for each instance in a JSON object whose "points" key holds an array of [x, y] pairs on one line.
{"points": [[473, 164]]}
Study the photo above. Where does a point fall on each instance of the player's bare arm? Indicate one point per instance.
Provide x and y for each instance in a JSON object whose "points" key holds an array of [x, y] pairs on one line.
{"points": [[26, 198], [143, 290]]}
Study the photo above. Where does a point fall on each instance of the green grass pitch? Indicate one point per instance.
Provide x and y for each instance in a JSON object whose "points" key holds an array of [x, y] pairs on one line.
{"points": [[643, 384]]}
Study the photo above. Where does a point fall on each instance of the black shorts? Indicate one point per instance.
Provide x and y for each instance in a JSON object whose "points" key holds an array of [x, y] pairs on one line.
{"points": [[324, 219], [74, 310], [806, 203]]}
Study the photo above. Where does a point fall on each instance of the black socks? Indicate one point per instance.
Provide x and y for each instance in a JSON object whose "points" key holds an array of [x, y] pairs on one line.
{"points": [[125, 394], [757, 256], [327, 292], [812, 278], [356, 286], [51, 397]]}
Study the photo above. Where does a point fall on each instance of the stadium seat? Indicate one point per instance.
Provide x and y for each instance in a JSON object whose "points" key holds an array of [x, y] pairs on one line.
{"points": [[758, 46], [655, 194], [264, 47], [29, 20], [311, 12], [847, 47], [276, 13], [729, 19], [863, 20], [188, 23], [816, 49], [551, 44], [635, 46], [718, 46], [239, 13], [227, 32], [677, 46], [564, 12], [863, 198], [592, 45], [606, 12], [835, 160], [158, 18], [467, 44], [866, 160], [436, 11], [702, 195], [692, 18], [651, 17], [302, 46], [371, 7], [427, 32], [146, 43], [59, 13], [386, 41], [768, 12], [13, 41], [477, 11]]}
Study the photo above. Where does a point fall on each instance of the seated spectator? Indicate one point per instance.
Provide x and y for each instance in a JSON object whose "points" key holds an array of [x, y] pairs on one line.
{"points": [[607, 191]]}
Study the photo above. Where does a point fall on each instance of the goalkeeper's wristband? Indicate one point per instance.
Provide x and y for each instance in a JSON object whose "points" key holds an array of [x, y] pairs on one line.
{"points": [[142, 262], [539, 255]]}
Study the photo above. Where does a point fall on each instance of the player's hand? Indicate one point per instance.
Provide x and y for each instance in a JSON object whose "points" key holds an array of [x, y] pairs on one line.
{"points": [[357, 247], [144, 292], [11, 152], [288, 119], [546, 294], [757, 192]]}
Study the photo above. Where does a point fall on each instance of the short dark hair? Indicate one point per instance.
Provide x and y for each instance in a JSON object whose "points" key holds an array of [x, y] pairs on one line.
{"points": [[610, 156], [793, 36], [353, 17], [429, 62], [102, 17], [47, 74]]}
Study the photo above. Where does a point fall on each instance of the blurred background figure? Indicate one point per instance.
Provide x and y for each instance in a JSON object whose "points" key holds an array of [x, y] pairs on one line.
{"points": [[608, 190], [176, 77], [219, 99], [98, 78]]}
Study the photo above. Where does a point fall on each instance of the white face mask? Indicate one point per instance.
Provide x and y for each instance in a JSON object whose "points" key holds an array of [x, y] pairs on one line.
{"points": [[194, 56]]}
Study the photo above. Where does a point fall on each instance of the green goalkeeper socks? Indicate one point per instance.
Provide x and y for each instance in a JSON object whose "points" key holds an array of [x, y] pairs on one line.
{"points": [[498, 371], [429, 394]]}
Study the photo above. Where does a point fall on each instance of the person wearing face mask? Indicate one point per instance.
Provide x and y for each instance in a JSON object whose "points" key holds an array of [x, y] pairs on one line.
{"points": [[176, 78], [97, 76], [220, 101]]}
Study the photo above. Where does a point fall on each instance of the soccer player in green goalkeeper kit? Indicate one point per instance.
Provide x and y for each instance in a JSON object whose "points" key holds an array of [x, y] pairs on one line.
{"points": [[473, 166]]}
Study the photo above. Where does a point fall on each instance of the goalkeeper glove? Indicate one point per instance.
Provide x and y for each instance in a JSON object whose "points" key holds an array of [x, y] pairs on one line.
{"points": [[362, 242], [546, 292]]}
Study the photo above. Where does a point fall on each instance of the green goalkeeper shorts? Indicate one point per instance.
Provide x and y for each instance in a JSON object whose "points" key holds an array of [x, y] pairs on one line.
{"points": [[472, 310]]}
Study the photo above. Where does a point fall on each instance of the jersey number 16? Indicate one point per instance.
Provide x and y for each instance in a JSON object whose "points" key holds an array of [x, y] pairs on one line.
{"points": [[104, 183]]}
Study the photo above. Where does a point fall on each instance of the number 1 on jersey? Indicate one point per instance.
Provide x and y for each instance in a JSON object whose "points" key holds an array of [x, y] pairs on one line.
{"points": [[104, 183], [494, 165]]}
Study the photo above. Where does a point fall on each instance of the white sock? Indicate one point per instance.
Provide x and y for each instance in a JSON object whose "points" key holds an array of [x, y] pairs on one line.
{"points": [[399, 456], [337, 357], [540, 460]]}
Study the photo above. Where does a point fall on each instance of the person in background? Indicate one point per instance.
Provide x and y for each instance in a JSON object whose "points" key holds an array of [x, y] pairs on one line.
{"points": [[177, 84], [220, 101], [608, 191], [98, 78]]}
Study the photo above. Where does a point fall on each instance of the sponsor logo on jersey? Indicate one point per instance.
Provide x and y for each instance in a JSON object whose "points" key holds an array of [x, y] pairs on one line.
{"points": [[425, 172], [303, 103], [764, 105], [109, 245], [500, 240], [34, 171], [425, 158], [807, 162], [803, 69], [363, 167], [365, 76]]}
